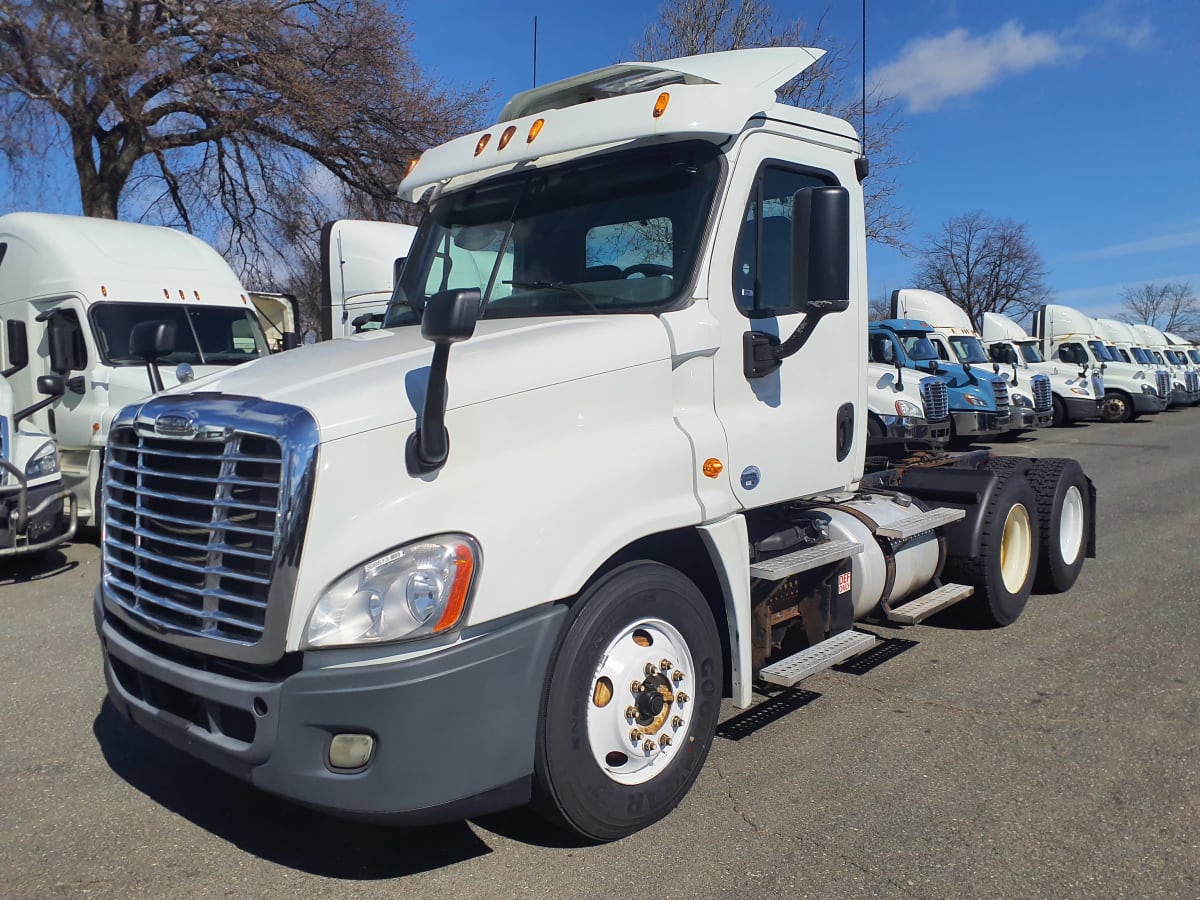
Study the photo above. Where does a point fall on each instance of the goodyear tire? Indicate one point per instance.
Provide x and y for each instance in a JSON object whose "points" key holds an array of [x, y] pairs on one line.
{"points": [[1003, 572], [1064, 521], [630, 705]]}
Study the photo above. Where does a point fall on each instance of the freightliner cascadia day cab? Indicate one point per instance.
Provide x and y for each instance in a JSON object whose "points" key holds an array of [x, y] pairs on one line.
{"points": [[1071, 336], [618, 499], [903, 408], [1078, 391], [82, 286], [1031, 404], [359, 265], [978, 402], [1185, 389]]}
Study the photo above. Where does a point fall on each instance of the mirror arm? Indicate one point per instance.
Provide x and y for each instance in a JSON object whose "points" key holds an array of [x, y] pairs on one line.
{"points": [[899, 375], [429, 446], [28, 411], [156, 382], [1015, 382], [763, 353]]}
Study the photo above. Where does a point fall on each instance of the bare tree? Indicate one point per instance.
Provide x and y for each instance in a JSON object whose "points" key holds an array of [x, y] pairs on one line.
{"points": [[1170, 306], [880, 307], [984, 264], [221, 116], [689, 27]]}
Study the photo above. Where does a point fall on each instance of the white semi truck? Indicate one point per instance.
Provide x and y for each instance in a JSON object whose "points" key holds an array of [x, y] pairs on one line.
{"points": [[1185, 387], [360, 262], [955, 339], [404, 584], [1078, 391], [902, 405], [82, 287], [1130, 390]]}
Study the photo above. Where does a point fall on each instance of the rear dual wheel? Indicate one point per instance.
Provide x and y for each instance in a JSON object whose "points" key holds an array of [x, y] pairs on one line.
{"points": [[631, 703]]}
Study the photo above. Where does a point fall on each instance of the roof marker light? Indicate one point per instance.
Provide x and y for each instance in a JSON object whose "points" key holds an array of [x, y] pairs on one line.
{"points": [[412, 164], [182, 295], [506, 137], [660, 105], [103, 291], [534, 130], [196, 294], [166, 294], [482, 142]]}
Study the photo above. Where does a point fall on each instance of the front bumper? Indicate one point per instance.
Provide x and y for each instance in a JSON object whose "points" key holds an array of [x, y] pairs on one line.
{"points": [[916, 429], [1149, 403], [1180, 396], [41, 519], [973, 423], [1024, 418], [454, 729], [1080, 409]]}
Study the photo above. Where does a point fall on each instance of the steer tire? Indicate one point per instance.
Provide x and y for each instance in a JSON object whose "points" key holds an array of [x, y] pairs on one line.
{"points": [[1064, 522], [1118, 407], [590, 775], [1003, 571], [1060, 413]]}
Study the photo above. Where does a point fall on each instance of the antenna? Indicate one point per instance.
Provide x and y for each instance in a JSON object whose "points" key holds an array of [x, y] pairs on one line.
{"points": [[863, 130], [535, 50]]}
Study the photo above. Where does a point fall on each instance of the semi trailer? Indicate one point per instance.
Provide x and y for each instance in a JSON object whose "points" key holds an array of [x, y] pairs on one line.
{"points": [[517, 545]]}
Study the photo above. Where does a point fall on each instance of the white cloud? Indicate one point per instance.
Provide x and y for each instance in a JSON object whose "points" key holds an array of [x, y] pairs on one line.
{"points": [[1173, 241], [931, 70]]}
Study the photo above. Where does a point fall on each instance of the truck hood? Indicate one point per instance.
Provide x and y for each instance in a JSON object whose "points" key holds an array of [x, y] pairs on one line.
{"points": [[378, 378]]}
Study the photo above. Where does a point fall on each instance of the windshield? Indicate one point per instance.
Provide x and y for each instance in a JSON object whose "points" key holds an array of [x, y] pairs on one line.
{"points": [[620, 233], [1030, 352], [1176, 357], [1100, 351], [1157, 357], [916, 345], [968, 349], [1140, 355], [1195, 355], [1119, 352], [204, 335]]}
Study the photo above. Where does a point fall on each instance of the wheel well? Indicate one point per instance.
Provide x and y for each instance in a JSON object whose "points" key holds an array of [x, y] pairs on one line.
{"points": [[684, 551]]}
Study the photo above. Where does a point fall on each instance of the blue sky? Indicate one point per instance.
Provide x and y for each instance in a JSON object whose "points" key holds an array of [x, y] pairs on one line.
{"points": [[1081, 119]]}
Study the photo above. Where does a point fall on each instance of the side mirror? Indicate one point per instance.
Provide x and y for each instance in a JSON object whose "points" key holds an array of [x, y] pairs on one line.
{"points": [[450, 316], [18, 347], [887, 353], [291, 340], [60, 350], [151, 341], [821, 250], [51, 385]]}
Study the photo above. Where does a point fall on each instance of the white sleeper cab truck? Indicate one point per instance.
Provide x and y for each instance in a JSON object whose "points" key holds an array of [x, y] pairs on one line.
{"points": [[1071, 336], [36, 512], [955, 339], [902, 405], [360, 262], [105, 305], [602, 491], [1077, 390], [1190, 351], [1185, 389]]}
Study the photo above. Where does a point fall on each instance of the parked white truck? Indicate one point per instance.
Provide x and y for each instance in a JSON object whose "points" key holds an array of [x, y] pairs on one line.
{"points": [[1185, 386], [405, 585], [902, 405], [955, 339], [1078, 391], [82, 286], [360, 262], [1130, 390]]}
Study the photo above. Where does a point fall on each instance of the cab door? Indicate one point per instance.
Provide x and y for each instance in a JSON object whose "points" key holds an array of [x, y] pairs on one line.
{"points": [[799, 429]]}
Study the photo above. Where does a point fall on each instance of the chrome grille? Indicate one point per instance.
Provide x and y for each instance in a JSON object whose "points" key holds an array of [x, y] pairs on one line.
{"points": [[190, 530], [1000, 391], [1193, 382], [1043, 396], [1164, 383], [936, 397]]}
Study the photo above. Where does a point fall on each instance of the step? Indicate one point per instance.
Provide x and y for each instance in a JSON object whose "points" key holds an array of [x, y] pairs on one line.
{"points": [[818, 657], [935, 601], [920, 523], [781, 567]]}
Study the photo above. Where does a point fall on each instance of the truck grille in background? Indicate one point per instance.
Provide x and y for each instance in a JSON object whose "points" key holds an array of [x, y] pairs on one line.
{"points": [[936, 397], [1043, 396], [1000, 390], [190, 531], [1193, 382], [1164, 383]]}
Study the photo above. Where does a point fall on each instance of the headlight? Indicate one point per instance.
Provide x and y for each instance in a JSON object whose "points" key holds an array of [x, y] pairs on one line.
{"points": [[975, 401], [1149, 389], [44, 462], [1081, 392], [413, 591], [910, 410], [1139, 374], [1021, 400]]}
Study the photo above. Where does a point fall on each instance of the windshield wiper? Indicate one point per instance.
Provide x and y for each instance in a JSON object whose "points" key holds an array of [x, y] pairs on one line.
{"points": [[557, 286]]}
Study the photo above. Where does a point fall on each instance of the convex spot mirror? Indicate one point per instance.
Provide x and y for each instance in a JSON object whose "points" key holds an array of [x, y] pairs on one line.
{"points": [[51, 385], [821, 250]]}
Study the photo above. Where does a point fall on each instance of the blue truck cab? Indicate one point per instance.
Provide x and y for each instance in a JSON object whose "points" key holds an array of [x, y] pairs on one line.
{"points": [[979, 402]]}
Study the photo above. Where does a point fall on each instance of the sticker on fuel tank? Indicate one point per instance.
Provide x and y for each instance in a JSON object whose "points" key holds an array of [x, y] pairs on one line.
{"points": [[750, 477]]}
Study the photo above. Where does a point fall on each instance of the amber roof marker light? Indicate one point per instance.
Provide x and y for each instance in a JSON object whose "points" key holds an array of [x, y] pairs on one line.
{"points": [[660, 105]]}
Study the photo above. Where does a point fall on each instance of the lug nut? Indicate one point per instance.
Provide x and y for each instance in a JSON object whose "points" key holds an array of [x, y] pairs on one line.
{"points": [[631, 712], [677, 676], [665, 740], [676, 722], [649, 746], [681, 697], [637, 687], [665, 665], [650, 670], [635, 735]]}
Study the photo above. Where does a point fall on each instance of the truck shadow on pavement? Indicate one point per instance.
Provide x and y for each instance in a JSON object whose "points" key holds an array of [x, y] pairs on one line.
{"points": [[272, 828], [40, 566]]}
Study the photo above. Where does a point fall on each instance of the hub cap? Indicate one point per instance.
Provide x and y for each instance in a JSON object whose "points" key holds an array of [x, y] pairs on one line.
{"points": [[1016, 548], [1070, 525]]}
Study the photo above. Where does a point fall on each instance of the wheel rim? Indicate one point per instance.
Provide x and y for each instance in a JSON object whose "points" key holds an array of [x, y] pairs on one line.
{"points": [[1114, 408], [1070, 525], [1016, 548], [639, 701]]}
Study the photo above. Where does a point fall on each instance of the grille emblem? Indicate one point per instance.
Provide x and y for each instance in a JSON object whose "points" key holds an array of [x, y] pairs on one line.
{"points": [[176, 426]]}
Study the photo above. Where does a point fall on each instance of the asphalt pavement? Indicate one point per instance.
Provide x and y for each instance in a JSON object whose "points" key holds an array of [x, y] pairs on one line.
{"points": [[1054, 758]]}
